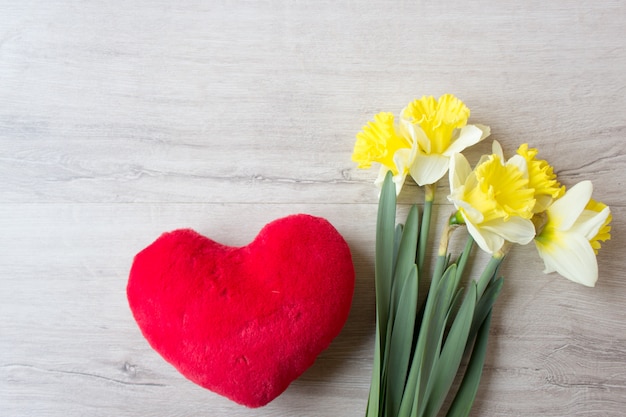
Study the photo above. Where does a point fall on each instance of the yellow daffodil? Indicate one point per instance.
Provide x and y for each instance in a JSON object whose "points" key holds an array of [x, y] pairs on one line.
{"points": [[573, 228], [438, 129], [494, 200], [420, 143], [380, 141], [541, 177]]}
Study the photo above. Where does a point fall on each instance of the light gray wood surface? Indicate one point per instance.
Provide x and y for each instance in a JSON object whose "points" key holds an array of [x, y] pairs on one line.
{"points": [[123, 119]]}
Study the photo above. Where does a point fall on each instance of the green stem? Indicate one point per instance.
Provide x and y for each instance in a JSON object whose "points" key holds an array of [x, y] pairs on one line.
{"points": [[429, 198], [469, 244], [462, 261]]}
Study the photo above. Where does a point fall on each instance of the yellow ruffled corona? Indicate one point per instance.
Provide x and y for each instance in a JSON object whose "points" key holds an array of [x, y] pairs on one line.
{"points": [[604, 233], [494, 200], [438, 129], [438, 119], [541, 178], [378, 142]]}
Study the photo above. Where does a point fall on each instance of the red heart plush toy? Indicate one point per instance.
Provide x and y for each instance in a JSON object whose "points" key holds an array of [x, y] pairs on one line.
{"points": [[244, 322]]}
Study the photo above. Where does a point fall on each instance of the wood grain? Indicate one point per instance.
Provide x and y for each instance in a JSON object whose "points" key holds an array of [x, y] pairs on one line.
{"points": [[120, 120]]}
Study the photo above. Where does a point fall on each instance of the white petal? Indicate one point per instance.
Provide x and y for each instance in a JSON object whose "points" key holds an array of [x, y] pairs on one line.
{"points": [[564, 211], [515, 229], [402, 159], [469, 135], [589, 223], [542, 202], [547, 268], [483, 159], [460, 169], [397, 179], [428, 169], [496, 149], [485, 129], [487, 240], [470, 213], [381, 176], [572, 257], [416, 134], [406, 130], [520, 162]]}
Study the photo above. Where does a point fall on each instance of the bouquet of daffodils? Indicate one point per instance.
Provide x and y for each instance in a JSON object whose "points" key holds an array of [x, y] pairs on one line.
{"points": [[501, 202]]}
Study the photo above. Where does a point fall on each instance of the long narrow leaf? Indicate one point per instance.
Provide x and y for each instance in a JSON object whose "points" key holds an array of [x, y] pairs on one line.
{"points": [[373, 401], [385, 233], [466, 394], [408, 245], [408, 406], [397, 239], [428, 344], [429, 197], [404, 262], [401, 340], [396, 288], [488, 273], [452, 353], [383, 276], [485, 303]]}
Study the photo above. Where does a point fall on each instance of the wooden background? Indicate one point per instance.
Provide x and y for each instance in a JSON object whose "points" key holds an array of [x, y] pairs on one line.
{"points": [[123, 119]]}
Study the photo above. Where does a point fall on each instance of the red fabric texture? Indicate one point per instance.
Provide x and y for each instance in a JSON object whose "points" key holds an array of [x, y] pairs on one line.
{"points": [[244, 322]]}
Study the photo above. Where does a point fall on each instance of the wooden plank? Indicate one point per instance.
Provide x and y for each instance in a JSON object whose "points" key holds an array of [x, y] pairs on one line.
{"points": [[120, 121]]}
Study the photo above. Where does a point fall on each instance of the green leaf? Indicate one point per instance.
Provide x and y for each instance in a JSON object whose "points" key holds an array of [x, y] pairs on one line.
{"points": [[429, 342], [384, 261], [385, 236], [404, 262], [465, 396], [406, 250], [397, 240], [423, 240], [462, 261], [452, 353], [396, 288], [488, 273], [401, 341], [485, 303]]}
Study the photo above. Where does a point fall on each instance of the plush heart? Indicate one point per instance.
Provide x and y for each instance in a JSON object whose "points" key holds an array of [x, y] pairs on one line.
{"points": [[246, 321]]}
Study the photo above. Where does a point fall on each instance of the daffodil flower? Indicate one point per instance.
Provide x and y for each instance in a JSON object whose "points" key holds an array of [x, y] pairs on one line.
{"points": [[494, 200], [420, 142], [574, 225], [381, 142], [438, 129]]}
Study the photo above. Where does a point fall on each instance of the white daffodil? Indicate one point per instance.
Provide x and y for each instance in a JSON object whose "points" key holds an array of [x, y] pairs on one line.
{"points": [[573, 225], [494, 199], [438, 129]]}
